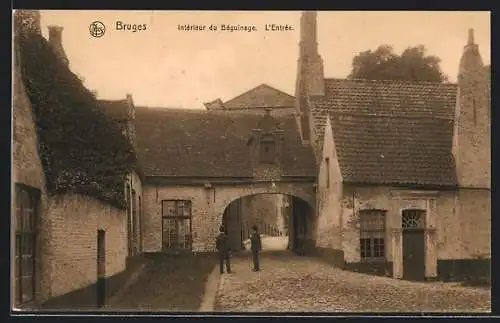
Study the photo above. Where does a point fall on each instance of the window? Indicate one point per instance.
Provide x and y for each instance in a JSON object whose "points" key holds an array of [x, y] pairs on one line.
{"points": [[413, 219], [267, 149], [25, 245], [372, 234], [176, 224], [327, 166]]}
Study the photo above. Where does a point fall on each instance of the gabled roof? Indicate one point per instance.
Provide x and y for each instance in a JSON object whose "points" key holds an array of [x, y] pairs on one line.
{"points": [[394, 149], [262, 96], [390, 132], [200, 143]]}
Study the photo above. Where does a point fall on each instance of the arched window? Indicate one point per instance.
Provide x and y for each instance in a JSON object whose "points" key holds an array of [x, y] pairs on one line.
{"points": [[413, 219], [267, 149]]}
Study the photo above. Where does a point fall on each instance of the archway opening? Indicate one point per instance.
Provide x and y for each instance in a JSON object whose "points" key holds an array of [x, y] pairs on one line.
{"points": [[285, 222]]}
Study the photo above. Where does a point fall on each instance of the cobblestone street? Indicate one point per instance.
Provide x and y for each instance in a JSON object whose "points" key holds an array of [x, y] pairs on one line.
{"points": [[289, 283]]}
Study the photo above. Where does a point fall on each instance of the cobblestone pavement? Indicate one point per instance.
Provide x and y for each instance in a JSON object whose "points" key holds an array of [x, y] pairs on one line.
{"points": [[303, 284]]}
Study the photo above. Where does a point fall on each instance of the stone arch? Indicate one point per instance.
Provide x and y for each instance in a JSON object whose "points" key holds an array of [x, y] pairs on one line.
{"points": [[302, 210]]}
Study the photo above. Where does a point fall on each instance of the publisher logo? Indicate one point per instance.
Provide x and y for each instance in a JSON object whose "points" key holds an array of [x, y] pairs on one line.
{"points": [[97, 29]]}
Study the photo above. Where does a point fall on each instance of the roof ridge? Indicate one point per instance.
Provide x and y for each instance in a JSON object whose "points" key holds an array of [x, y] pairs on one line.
{"points": [[389, 81], [388, 115], [256, 87], [142, 107]]}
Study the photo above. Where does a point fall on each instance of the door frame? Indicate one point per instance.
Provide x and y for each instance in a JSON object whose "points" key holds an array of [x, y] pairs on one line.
{"points": [[34, 195]]}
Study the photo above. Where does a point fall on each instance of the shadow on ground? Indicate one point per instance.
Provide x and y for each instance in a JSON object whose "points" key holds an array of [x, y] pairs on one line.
{"points": [[169, 283]]}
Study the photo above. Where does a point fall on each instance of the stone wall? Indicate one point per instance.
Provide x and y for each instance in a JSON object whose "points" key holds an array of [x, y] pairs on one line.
{"points": [[71, 251]]}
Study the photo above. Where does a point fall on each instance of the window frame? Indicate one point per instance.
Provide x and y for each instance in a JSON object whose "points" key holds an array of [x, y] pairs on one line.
{"points": [[373, 235], [267, 141], [31, 235], [177, 218]]}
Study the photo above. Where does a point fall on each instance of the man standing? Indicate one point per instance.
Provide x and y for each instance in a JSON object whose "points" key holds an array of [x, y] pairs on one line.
{"points": [[222, 245], [256, 247]]}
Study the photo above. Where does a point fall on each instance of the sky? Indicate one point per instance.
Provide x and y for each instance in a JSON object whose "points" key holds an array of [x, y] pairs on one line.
{"points": [[165, 67]]}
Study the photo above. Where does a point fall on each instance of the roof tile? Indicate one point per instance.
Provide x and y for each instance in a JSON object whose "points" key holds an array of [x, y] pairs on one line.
{"points": [[390, 132], [200, 143]]}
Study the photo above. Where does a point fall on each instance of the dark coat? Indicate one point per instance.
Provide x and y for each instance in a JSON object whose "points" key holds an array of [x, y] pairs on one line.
{"points": [[222, 244], [256, 243]]}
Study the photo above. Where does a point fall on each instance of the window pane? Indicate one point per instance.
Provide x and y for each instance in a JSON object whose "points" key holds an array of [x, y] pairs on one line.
{"points": [[187, 208], [27, 266], [27, 288], [378, 247], [168, 208], [365, 248], [179, 208], [18, 224]]}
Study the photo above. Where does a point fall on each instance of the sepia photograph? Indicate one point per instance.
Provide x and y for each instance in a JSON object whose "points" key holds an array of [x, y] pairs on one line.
{"points": [[244, 162]]}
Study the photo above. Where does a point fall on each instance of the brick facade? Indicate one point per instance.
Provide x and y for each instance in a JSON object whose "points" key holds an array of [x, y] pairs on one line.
{"points": [[67, 227], [208, 205], [71, 249]]}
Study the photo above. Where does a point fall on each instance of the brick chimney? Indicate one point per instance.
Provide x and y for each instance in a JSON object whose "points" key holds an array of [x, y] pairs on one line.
{"points": [[55, 40], [310, 79]]}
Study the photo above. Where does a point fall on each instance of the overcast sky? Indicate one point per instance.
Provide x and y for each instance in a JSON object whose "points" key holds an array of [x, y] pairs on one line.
{"points": [[165, 67]]}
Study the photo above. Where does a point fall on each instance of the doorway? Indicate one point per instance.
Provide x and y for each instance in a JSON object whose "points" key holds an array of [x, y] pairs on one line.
{"points": [[26, 230], [101, 268], [413, 224]]}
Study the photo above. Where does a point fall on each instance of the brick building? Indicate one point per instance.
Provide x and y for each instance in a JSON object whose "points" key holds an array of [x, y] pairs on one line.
{"points": [[266, 211], [386, 176], [404, 167], [64, 241]]}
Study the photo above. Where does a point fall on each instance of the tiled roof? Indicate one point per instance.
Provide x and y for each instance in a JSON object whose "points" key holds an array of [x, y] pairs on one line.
{"points": [[117, 109], [408, 123], [200, 143], [394, 149], [262, 96], [392, 98]]}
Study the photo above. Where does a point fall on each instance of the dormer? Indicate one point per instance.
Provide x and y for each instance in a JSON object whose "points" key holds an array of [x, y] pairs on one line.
{"points": [[267, 149], [265, 142]]}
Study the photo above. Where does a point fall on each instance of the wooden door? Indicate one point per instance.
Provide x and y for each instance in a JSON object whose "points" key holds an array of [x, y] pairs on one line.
{"points": [[413, 245], [101, 268], [413, 255]]}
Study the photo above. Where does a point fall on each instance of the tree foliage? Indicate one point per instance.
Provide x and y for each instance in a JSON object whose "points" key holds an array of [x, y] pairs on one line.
{"points": [[82, 151], [383, 64]]}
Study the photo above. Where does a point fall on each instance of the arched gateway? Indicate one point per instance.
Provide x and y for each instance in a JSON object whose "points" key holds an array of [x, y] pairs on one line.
{"points": [[265, 205], [207, 160]]}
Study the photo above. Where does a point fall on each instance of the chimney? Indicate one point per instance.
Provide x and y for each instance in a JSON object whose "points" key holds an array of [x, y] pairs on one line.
{"points": [[310, 75], [55, 40], [471, 137], [215, 105], [131, 120], [27, 22], [470, 39]]}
